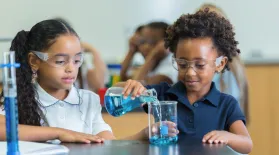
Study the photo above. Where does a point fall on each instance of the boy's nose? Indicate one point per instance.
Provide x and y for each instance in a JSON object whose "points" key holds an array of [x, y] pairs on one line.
{"points": [[190, 71]]}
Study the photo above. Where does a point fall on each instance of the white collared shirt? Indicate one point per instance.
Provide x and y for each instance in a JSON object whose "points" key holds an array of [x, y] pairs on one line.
{"points": [[80, 111], [165, 68]]}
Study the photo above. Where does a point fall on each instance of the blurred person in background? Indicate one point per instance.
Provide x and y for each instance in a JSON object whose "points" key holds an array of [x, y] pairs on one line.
{"points": [[149, 41]]}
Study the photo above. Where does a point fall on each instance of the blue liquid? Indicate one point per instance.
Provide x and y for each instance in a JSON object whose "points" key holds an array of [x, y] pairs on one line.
{"points": [[116, 105], [11, 125], [163, 140]]}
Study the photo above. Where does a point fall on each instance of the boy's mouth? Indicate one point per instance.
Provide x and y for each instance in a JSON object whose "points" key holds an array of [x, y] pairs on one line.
{"points": [[191, 82]]}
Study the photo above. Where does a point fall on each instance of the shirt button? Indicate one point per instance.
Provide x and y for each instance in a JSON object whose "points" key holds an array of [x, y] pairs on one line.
{"points": [[190, 120], [196, 105], [61, 104]]}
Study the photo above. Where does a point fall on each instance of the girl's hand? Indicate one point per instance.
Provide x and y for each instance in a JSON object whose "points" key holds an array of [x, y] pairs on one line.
{"points": [[77, 137]]}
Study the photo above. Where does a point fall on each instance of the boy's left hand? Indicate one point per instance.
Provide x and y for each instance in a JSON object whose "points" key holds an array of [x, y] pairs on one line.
{"points": [[215, 137]]}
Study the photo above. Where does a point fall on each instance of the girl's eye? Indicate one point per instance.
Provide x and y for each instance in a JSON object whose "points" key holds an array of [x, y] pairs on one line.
{"points": [[59, 62]]}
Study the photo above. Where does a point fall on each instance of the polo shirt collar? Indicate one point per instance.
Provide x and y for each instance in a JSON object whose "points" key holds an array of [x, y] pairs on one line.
{"points": [[213, 96], [46, 99]]}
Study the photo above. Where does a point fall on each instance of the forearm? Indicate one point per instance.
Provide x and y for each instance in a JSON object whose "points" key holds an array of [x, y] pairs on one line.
{"points": [[148, 66], [240, 143], [32, 133], [96, 76], [125, 65]]}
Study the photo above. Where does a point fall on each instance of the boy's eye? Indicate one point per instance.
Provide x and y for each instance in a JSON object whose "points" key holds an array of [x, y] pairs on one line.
{"points": [[200, 66], [183, 66]]}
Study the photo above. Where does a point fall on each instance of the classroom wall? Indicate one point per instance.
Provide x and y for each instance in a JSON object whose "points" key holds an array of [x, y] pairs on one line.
{"points": [[108, 24]]}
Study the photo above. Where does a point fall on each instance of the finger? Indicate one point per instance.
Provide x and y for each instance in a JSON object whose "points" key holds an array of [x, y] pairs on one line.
{"points": [[93, 138], [173, 132], [134, 85], [154, 129], [207, 136], [137, 87], [127, 84], [212, 139], [131, 89], [224, 141], [128, 88], [83, 140], [141, 90], [170, 124], [217, 140]]}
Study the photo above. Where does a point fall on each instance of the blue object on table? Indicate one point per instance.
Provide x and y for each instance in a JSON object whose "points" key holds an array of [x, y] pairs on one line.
{"points": [[164, 129], [117, 106], [10, 102]]}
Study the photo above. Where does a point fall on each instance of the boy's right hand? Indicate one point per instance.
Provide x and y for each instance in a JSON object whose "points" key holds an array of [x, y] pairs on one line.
{"points": [[69, 136], [134, 88]]}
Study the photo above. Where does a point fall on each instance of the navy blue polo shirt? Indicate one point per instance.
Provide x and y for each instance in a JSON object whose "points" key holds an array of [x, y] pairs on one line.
{"points": [[215, 111]]}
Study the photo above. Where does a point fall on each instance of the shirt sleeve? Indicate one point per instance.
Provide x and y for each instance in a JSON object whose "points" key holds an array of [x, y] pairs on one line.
{"points": [[234, 114], [99, 124]]}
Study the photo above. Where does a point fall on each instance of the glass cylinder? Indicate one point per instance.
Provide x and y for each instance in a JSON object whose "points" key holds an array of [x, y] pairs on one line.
{"points": [[161, 117]]}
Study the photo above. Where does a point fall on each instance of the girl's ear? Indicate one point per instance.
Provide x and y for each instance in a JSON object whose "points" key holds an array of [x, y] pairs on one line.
{"points": [[33, 61], [220, 66]]}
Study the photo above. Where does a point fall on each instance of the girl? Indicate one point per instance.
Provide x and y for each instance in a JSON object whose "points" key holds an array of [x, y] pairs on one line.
{"points": [[49, 107], [92, 72], [202, 44]]}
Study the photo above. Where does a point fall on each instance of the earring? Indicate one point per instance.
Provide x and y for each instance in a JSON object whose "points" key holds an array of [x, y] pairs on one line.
{"points": [[34, 77]]}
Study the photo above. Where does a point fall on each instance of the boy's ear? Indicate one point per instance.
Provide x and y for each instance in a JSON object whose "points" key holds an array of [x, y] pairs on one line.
{"points": [[221, 65], [33, 61]]}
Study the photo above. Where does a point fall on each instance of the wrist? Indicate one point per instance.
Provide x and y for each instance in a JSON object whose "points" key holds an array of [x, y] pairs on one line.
{"points": [[230, 138], [154, 55], [58, 132]]}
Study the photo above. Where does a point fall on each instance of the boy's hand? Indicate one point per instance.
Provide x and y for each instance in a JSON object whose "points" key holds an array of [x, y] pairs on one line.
{"points": [[215, 137], [172, 130], [134, 88]]}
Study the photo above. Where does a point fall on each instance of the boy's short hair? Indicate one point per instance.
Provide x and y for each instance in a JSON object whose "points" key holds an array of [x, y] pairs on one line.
{"points": [[204, 24]]}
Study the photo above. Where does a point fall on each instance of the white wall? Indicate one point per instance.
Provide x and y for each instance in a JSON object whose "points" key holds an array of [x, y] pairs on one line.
{"points": [[107, 24]]}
